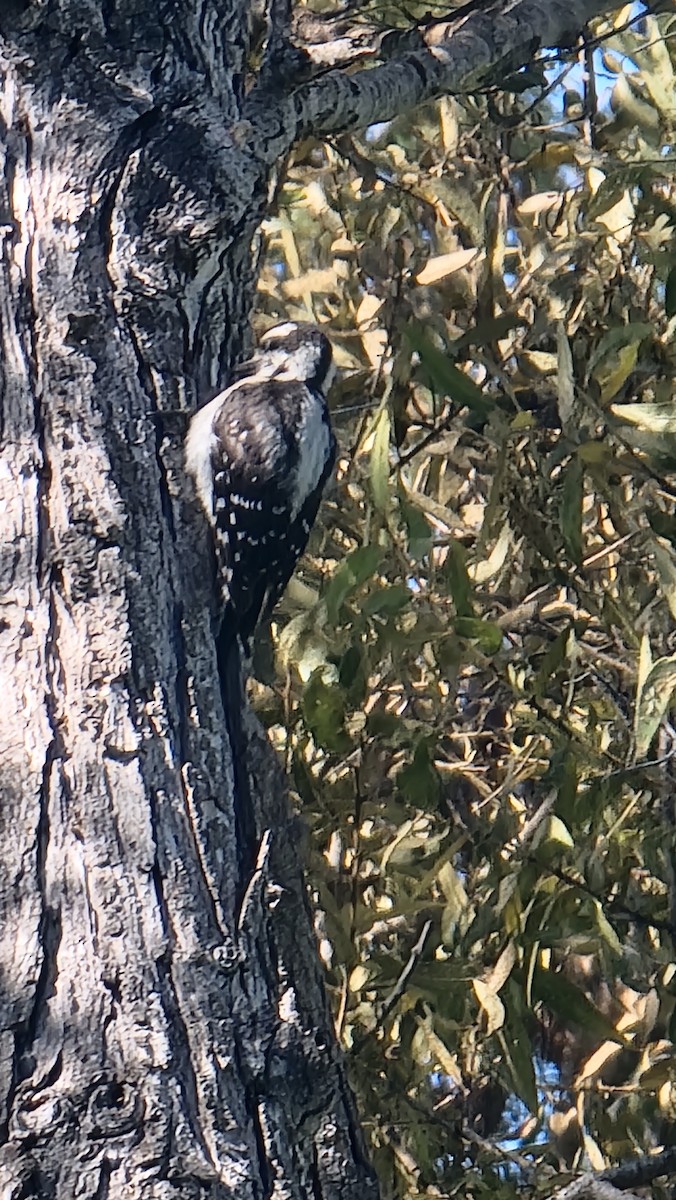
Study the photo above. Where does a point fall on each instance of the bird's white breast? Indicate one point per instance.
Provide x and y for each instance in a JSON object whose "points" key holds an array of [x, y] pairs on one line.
{"points": [[198, 447], [314, 440]]}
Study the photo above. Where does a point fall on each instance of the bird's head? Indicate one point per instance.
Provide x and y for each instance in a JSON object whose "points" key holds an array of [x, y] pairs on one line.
{"points": [[295, 351]]}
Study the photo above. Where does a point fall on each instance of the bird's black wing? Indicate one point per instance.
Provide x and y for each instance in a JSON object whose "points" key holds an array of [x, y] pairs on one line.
{"points": [[254, 458], [298, 536]]}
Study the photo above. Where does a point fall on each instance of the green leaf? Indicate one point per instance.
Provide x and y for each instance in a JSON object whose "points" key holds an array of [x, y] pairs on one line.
{"points": [[518, 1046], [380, 723], [445, 377], [419, 782], [454, 573], [552, 838], [388, 601], [653, 701], [355, 570], [303, 781], [353, 675], [606, 930], [488, 635], [492, 329], [564, 776], [380, 461], [456, 901], [571, 510], [418, 528], [324, 713], [568, 1002], [666, 571], [662, 524], [616, 339], [553, 658]]}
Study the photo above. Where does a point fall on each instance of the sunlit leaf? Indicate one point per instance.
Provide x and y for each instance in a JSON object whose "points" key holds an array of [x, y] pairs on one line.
{"points": [[442, 265], [553, 837], [493, 1008], [653, 418], [653, 701], [482, 571], [380, 461], [608, 191], [597, 1061], [443, 1058], [592, 1150], [614, 372], [553, 154], [456, 901], [359, 977], [540, 202], [617, 338], [503, 968]]}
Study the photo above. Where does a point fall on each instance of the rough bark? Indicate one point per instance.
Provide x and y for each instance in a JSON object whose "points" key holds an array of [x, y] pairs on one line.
{"points": [[163, 1029], [453, 56]]}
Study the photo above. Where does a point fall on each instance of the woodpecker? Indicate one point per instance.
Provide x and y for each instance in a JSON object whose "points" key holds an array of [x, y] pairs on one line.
{"points": [[260, 453]]}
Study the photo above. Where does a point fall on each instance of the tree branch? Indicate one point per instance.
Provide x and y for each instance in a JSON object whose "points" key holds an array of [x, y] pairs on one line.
{"points": [[641, 1171], [457, 55]]}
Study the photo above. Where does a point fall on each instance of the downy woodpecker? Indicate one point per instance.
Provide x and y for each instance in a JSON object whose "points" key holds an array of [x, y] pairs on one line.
{"points": [[260, 453]]}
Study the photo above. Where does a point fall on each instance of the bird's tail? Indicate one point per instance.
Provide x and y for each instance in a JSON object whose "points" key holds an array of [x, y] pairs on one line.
{"points": [[231, 654]]}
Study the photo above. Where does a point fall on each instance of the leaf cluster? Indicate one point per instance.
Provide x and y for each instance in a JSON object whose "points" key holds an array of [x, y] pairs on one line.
{"points": [[476, 664]]}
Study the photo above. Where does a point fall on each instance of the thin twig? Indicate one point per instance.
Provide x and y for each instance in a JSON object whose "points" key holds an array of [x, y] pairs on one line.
{"points": [[400, 986]]}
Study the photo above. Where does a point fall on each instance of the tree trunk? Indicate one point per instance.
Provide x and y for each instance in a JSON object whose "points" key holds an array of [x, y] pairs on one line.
{"points": [[164, 1029]]}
